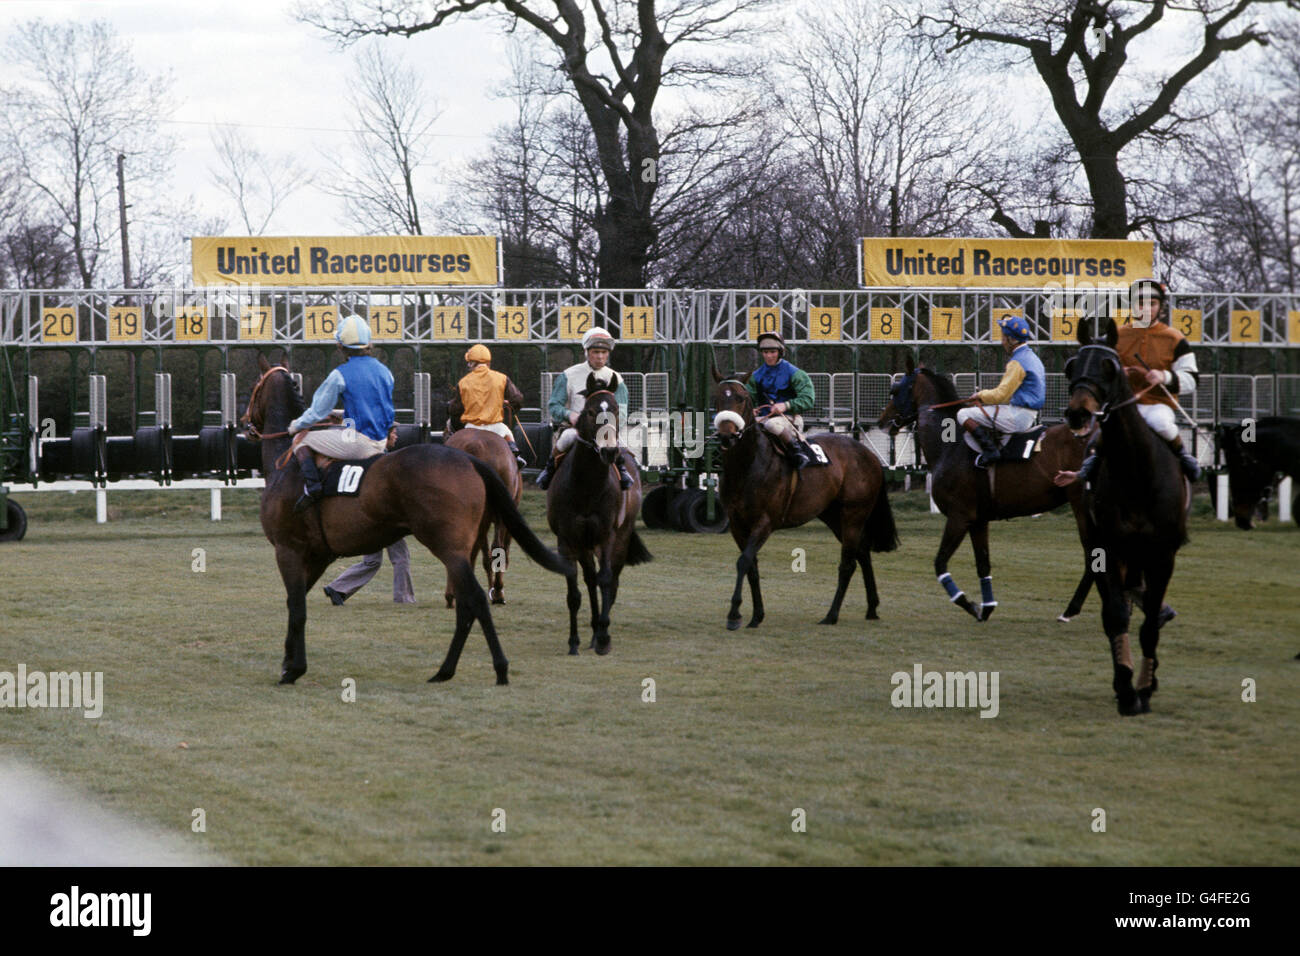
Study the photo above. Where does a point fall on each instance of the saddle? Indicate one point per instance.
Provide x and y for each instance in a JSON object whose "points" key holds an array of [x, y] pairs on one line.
{"points": [[344, 477], [1016, 446]]}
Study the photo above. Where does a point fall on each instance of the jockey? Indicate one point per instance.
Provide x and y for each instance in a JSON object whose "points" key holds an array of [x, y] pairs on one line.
{"points": [[366, 387], [566, 403], [1013, 404], [1149, 344], [483, 395], [786, 392]]}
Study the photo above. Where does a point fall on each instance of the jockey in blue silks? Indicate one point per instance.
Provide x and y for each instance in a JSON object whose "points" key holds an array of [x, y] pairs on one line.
{"points": [[781, 394], [1013, 404]]}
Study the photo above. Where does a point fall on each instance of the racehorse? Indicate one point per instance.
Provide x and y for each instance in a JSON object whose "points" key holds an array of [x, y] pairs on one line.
{"points": [[1253, 464], [440, 495], [592, 517], [1135, 506], [762, 493], [492, 449], [970, 497]]}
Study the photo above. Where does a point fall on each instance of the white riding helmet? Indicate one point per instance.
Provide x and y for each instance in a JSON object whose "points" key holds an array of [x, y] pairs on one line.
{"points": [[597, 339], [352, 332]]}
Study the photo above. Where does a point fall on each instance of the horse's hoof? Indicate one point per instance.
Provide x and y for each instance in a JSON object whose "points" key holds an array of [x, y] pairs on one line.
{"points": [[602, 649], [733, 624], [503, 679], [872, 615], [828, 620], [754, 622], [498, 597], [1167, 614], [451, 602], [987, 611], [442, 676], [1065, 618], [1130, 709], [573, 650], [291, 674]]}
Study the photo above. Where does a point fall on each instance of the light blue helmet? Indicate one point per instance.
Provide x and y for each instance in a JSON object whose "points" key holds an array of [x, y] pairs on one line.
{"points": [[1015, 328], [352, 332]]}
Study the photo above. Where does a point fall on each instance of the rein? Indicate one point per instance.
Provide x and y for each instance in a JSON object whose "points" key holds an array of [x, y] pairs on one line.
{"points": [[250, 429]]}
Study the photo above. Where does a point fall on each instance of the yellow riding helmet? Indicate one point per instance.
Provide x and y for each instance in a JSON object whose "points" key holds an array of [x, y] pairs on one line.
{"points": [[478, 353]]}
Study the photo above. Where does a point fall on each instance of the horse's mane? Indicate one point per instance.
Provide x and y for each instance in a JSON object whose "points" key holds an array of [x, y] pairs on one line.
{"points": [[942, 384]]}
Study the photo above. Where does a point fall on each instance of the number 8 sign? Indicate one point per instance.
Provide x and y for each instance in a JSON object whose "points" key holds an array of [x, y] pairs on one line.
{"points": [[886, 324]]}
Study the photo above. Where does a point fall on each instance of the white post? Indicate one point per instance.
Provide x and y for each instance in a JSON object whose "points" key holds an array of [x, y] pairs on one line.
{"points": [[1221, 497], [101, 506], [1284, 500], [216, 504]]}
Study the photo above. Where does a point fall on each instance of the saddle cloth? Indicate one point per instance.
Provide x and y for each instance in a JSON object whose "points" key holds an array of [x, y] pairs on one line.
{"points": [[1016, 446], [345, 477]]}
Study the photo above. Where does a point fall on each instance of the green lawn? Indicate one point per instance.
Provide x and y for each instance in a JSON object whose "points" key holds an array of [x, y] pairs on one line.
{"points": [[747, 725]]}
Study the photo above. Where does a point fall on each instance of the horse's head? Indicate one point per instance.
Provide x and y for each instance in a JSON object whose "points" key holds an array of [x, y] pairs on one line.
{"points": [[1248, 478], [1097, 378], [901, 410], [733, 410], [273, 396], [597, 425]]}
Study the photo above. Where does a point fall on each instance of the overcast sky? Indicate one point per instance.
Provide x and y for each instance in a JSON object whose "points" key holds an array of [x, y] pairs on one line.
{"points": [[249, 63]]}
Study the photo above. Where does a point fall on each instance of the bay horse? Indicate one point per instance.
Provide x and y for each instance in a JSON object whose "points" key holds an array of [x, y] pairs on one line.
{"points": [[490, 448], [1252, 464], [762, 493], [592, 517], [440, 495], [970, 497], [1136, 508]]}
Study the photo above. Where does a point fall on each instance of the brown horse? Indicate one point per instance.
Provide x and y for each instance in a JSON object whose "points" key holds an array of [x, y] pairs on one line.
{"points": [[968, 497], [440, 495], [491, 449], [592, 517], [762, 493]]}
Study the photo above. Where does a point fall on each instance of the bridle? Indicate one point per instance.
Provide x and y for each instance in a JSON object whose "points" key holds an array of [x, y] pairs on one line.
{"points": [[908, 412], [728, 440], [247, 418], [577, 435], [1094, 386]]}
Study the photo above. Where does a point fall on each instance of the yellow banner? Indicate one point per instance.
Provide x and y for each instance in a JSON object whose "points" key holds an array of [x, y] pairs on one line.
{"points": [[1004, 263], [345, 260]]}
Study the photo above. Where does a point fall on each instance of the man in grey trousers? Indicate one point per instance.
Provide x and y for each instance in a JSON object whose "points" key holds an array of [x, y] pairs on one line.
{"points": [[358, 576]]}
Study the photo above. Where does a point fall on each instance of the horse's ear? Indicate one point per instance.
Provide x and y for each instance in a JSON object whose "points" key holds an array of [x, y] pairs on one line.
{"points": [[1085, 332], [262, 364], [1112, 333], [717, 376], [909, 363], [745, 378]]}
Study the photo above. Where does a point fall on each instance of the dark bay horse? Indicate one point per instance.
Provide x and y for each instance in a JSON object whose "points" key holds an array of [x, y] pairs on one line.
{"points": [[491, 449], [592, 517], [440, 495], [1273, 448], [762, 493], [968, 497], [1136, 508]]}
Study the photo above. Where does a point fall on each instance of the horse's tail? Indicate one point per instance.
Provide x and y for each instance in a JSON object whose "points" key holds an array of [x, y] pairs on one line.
{"points": [[881, 534], [500, 501], [637, 552]]}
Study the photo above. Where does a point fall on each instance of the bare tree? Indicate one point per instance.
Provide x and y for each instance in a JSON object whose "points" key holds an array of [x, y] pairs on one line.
{"points": [[392, 116], [1079, 49], [256, 182], [615, 56], [78, 102]]}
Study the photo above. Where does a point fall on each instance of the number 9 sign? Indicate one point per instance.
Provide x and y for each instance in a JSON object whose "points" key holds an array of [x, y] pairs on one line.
{"points": [[824, 324]]}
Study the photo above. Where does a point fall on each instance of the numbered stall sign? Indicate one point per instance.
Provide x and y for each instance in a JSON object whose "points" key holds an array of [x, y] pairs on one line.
{"points": [[639, 322], [824, 324], [385, 321], [449, 322], [124, 324], [1245, 326], [256, 323], [763, 319], [997, 315], [192, 323], [1187, 321], [512, 322], [945, 324], [1065, 324], [319, 323], [887, 325], [59, 325], [1292, 327], [575, 322]]}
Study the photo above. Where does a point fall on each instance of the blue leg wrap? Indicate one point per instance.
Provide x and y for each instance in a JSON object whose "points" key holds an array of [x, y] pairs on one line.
{"points": [[986, 590], [950, 586]]}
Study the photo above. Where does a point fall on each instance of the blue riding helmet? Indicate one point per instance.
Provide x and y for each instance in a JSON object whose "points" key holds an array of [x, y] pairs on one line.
{"points": [[352, 332], [1015, 328]]}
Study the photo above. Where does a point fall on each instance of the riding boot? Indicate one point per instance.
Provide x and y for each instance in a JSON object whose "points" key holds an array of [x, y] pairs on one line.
{"points": [[799, 453], [624, 476], [311, 482], [547, 473], [1087, 468], [514, 450], [990, 450], [1191, 468]]}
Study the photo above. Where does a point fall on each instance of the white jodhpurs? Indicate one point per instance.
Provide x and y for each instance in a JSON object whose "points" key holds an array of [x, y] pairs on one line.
{"points": [[500, 428], [1160, 419], [344, 443], [786, 426], [1004, 418]]}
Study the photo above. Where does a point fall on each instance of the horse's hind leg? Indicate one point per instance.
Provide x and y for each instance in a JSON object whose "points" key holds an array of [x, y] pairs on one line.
{"points": [[953, 532], [849, 544], [589, 576], [298, 574], [747, 567], [979, 539], [1158, 573], [606, 581], [457, 572], [575, 602], [500, 561], [869, 574]]}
